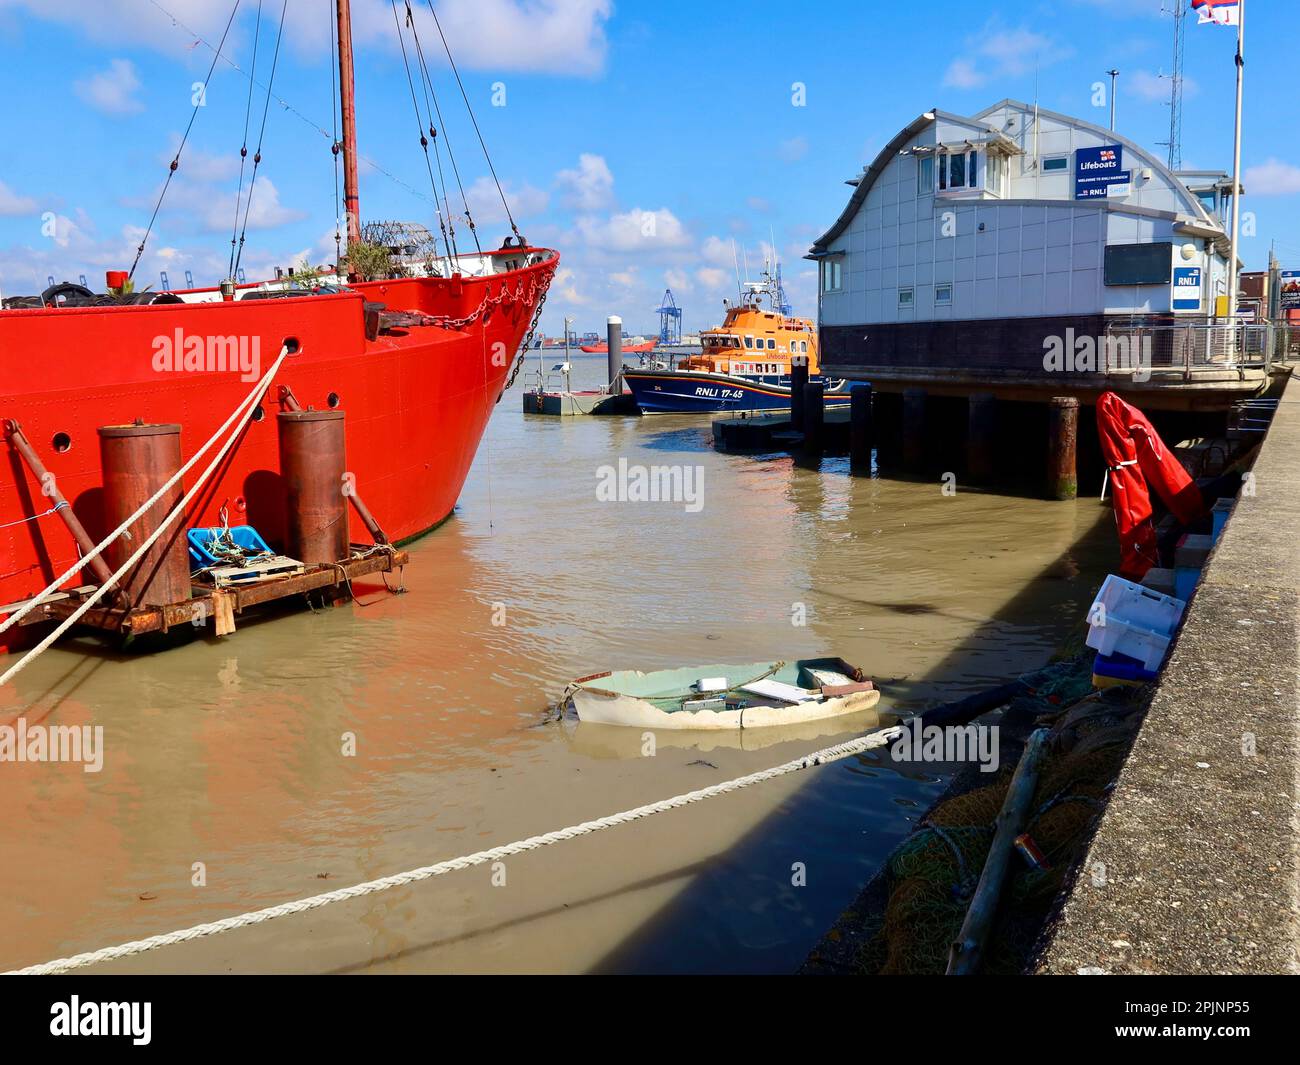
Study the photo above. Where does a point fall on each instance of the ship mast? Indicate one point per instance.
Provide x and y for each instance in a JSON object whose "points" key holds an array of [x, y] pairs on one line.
{"points": [[348, 106]]}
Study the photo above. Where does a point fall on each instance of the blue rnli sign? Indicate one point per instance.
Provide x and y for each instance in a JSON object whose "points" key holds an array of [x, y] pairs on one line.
{"points": [[1187, 288], [1098, 170]]}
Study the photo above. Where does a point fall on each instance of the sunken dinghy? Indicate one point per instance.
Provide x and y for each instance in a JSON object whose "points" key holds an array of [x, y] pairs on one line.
{"points": [[724, 696]]}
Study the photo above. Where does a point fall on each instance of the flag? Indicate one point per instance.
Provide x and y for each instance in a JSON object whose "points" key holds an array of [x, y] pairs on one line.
{"points": [[1219, 12]]}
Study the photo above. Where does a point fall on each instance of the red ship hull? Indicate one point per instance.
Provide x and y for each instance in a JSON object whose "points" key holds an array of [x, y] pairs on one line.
{"points": [[416, 398]]}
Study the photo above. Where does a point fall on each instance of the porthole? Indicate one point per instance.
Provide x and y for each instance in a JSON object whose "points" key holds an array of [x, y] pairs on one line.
{"points": [[62, 442], [333, 400], [258, 413]]}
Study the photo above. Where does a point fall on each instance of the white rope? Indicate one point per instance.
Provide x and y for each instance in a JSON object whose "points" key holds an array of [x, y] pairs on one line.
{"points": [[95, 552], [247, 408], [822, 757]]}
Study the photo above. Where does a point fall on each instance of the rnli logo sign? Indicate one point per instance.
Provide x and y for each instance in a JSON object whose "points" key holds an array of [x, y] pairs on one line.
{"points": [[1099, 172], [1187, 288]]}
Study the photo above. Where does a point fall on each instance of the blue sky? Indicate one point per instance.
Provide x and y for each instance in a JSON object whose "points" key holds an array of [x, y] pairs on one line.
{"points": [[639, 138]]}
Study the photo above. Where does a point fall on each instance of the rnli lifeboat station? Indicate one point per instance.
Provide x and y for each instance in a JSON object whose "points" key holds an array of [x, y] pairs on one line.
{"points": [[1019, 263]]}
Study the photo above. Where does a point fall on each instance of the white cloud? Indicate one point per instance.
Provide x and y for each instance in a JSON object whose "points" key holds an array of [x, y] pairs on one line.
{"points": [[636, 230], [793, 150], [713, 278], [1153, 88], [963, 75], [1000, 52], [678, 279], [718, 251], [588, 188], [554, 36], [1273, 178], [112, 91], [525, 201], [13, 204]]}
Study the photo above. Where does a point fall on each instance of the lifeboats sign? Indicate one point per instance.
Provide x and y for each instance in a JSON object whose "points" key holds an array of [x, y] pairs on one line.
{"points": [[1099, 172], [1187, 288]]}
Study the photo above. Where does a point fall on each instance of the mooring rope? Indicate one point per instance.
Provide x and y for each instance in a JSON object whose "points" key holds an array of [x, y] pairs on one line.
{"points": [[370, 887], [247, 407], [98, 549]]}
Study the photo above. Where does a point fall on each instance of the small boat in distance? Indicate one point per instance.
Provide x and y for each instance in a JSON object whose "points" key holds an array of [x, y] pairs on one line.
{"points": [[724, 697], [744, 364]]}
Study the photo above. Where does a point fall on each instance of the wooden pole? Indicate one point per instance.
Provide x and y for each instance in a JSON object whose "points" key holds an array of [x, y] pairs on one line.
{"points": [[348, 106], [861, 430], [914, 448], [1062, 448], [814, 416], [980, 466], [798, 378], [968, 951], [49, 486]]}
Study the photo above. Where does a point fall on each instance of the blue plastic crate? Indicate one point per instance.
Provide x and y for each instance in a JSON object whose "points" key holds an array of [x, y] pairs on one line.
{"points": [[245, 536], [1121, 668]]}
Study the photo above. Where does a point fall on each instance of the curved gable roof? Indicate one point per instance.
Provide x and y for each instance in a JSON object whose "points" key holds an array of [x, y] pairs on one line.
{"points": [[872, 173]]}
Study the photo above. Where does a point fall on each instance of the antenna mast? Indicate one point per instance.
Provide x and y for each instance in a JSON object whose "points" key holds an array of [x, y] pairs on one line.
{"points": [[1176, 90]]}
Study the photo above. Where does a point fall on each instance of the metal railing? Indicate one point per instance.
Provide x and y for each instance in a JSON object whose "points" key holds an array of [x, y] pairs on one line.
{"points": [[1198, 347]]}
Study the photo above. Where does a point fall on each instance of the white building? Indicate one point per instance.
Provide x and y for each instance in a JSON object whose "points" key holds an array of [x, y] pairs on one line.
{"points": [[968, 241]]}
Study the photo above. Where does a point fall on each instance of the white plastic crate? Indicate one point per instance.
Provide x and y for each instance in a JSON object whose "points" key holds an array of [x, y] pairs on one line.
{"points": [[1133, 620], [1137, 605], [1116, 635]]}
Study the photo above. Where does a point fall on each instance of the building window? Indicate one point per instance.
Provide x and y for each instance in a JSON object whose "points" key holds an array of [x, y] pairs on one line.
{"points": [[925, 175], [943, 295], [1054, 164], [906, 297], [958, 170], [832, 274]]}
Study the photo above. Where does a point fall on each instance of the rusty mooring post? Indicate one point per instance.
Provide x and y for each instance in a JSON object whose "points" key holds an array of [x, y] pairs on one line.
{"points": [[861, 430], [137, 460], [914, 429], [979, 440], [1062, 441]]}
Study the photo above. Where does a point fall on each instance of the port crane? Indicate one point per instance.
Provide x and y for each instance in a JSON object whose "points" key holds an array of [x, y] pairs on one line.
{"points": [[670, 320]]}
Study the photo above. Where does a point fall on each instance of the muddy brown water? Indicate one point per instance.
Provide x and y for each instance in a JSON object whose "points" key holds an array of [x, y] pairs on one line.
{"points": [[230, 753]]}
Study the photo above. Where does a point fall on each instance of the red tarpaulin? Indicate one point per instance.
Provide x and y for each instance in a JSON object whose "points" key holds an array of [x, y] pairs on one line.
{"points": [[1135, 456]]}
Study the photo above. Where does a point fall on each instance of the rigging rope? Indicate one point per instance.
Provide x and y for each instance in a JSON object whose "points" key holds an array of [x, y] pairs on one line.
{"points": [[315, 902], [337, 206], [176, 159], [98, 549], [288, 106], [482, 144], [245, 413], [448, 243], [243, 149], [451, 155], [261, 135]]}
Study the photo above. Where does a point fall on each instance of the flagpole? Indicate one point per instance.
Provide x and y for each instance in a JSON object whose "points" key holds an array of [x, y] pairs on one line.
{"points": [[1236, 164]]}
